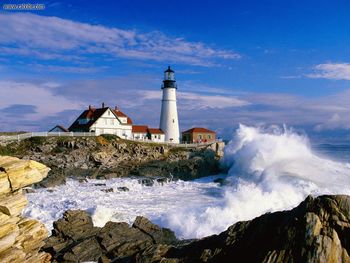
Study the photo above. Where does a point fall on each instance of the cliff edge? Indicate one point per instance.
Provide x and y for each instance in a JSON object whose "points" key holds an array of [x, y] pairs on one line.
{"points": [[105, 157]]}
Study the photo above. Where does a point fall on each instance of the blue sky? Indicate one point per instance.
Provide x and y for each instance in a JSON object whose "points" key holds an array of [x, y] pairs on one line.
{"points": [[251, 62]]}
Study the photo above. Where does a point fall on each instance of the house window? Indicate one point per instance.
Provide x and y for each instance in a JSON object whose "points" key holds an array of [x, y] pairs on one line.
{"points": [[112, 122], [200, 136], [105, 121], [109, 113], [209, 136]]}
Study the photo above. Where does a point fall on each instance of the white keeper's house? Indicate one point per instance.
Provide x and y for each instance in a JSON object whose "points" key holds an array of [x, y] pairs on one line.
{"points": [[104, 120]]}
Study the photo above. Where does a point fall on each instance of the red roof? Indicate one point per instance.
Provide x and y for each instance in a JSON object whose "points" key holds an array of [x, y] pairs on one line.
{"points": [[155, 131], [198, 129], [122, 115], [139, 128]]}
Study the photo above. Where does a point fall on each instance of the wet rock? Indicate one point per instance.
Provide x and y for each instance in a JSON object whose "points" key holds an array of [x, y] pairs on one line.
{"points": [[159, 235], [75, 225], [146, 182], [74, 239], [123, 189], [107, 190]]}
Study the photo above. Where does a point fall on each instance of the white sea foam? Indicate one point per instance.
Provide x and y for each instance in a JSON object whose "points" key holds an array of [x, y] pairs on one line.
{"points": [[268, 170]]}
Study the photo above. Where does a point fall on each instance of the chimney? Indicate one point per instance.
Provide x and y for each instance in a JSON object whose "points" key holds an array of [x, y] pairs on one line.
{"points": [[90, 107], [116, 108], [103, 104]]}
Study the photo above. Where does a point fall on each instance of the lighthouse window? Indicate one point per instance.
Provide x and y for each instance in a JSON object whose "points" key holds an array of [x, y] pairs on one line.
{"points": [[173, 120]]}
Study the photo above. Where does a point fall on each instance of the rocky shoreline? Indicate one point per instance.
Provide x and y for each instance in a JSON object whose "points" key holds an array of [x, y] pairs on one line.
{"points": [[106, 157], [318, 230], [315, 231]]}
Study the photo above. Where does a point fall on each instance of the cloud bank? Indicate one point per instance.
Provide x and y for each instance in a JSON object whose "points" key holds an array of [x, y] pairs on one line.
{"points": [[48, 38]]}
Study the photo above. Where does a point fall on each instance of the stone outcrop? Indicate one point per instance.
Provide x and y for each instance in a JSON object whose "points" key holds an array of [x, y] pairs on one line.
{"points": [[318, 230], [75, 239], [20, 238], [107, 157]]}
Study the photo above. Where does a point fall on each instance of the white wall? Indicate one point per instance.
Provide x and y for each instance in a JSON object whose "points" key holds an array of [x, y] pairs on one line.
{"points": [[108, 123], [158, 137], [169, 122], [139, 136]]}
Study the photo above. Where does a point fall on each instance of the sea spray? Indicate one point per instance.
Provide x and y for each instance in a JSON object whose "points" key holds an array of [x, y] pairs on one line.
{"points": [[269, 171]]}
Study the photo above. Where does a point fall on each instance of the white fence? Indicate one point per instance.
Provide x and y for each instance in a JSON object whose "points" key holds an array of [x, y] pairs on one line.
{"points": [[22, 136]]}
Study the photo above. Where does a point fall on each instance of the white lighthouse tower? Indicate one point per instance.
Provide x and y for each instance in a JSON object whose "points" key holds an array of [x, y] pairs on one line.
{"points": [[169, 122]]}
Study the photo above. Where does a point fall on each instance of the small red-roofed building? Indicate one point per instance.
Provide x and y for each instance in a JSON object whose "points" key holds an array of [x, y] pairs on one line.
{"points": [[140, 132], [156, 135], [198, 135]]}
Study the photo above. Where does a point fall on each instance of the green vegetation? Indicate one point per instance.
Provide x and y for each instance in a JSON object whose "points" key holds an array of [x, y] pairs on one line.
{"points": [[35, 141], [110, 137]]}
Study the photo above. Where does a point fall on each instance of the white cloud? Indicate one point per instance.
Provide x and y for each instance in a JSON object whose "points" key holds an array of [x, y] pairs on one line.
{"points": [[40, 96], [337, 71], [55, 38], [197, 101]]}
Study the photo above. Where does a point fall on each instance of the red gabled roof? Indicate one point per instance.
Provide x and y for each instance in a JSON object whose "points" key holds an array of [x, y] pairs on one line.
{"points": [[139, 128], [122, 115], [155, 131], [198, 129]]}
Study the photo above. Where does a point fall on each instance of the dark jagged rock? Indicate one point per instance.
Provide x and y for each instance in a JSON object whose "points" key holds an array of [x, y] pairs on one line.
{"points": [[75, 239], [123, 189], [159, 235]]}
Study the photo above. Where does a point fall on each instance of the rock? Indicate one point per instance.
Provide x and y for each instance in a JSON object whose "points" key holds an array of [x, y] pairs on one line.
{"points": [[28, 190], [107, 190], [87, 250], [113, 242], [75, 225], [123, 189], [87, 157], [13, 203], [158, 235], [20, 238], [146, 182], [22, 173]]}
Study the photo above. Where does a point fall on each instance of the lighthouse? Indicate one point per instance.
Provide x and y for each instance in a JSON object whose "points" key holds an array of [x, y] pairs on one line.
{"points": [[169, 122]]}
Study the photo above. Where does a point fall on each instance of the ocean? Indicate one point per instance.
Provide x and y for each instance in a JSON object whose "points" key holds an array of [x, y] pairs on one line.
{"points": [[268, 170]]}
